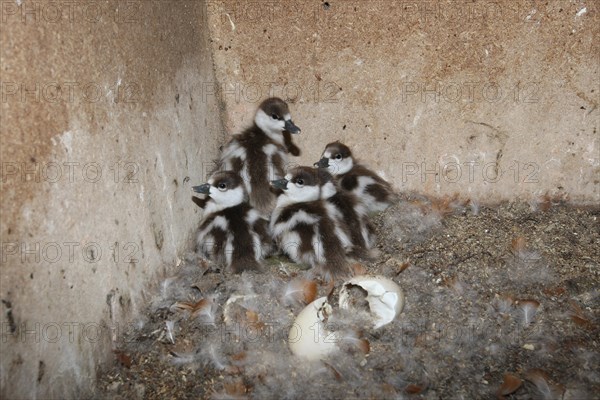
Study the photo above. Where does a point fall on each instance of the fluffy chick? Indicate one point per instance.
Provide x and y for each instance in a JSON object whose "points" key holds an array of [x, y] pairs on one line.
{"points": [[302, 226], [231, 232], [370, 189], [345, 207], [260, 153]]}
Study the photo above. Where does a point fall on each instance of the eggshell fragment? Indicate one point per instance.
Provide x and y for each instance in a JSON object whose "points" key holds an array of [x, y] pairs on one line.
{"points": [[385, 298], [233, 305], [308, 336]]}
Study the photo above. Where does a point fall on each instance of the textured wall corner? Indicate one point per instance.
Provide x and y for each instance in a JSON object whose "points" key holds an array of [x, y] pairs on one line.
{"points": [[495, 100], [104, 129]]}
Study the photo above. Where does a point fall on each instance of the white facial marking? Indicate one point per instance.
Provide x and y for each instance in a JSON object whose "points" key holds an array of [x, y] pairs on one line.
{"points": [[271, 127], [340, 167], [301, 194], [227, 198]]}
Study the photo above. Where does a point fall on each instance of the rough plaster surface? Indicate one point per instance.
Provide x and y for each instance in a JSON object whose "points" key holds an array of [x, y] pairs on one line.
{"points": [[493, 100], [102, 122]]}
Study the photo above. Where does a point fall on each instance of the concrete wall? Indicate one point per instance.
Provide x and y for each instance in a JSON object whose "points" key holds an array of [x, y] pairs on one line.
{"points": [[494, 100], [102, 123]]}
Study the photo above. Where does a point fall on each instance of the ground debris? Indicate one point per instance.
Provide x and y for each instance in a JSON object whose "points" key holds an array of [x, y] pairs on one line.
{"points": [[500, 302]]}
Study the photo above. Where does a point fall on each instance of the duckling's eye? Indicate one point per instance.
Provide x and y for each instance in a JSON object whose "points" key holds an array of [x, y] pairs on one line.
{"points": [[222, 187], [300, 182], [338, 156], [274, 116]]}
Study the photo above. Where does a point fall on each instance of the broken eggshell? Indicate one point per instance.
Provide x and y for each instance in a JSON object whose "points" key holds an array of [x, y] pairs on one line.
{"points": [[308, 336], [379, 296], [385, 298]]}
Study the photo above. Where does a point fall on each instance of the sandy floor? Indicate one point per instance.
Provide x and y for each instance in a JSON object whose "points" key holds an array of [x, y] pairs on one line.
{"points": [[499, 301]]}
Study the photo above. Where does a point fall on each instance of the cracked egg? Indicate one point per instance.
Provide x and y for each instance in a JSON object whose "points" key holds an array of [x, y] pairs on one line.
{"points": [[380, 296]]}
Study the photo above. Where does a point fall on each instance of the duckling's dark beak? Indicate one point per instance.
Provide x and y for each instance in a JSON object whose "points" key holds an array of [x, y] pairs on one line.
{"points": [[280, 184], [291, 127], [322, 163], [203, 189]]}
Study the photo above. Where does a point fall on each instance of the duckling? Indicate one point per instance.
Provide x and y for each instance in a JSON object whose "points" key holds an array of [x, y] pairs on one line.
{"points": [[231, 232], [260, 153], [302, 226], [370, 189], [347, 208]]}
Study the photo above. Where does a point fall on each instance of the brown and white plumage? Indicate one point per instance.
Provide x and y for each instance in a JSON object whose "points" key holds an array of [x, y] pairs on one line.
{"points": [[303, 227], [260, 153], [231, 232], [344, 206], [370, 189]]}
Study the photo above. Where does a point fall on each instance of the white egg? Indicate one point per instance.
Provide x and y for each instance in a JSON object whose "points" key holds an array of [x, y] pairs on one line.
{"points": [[308, 336], [385, 297]]}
